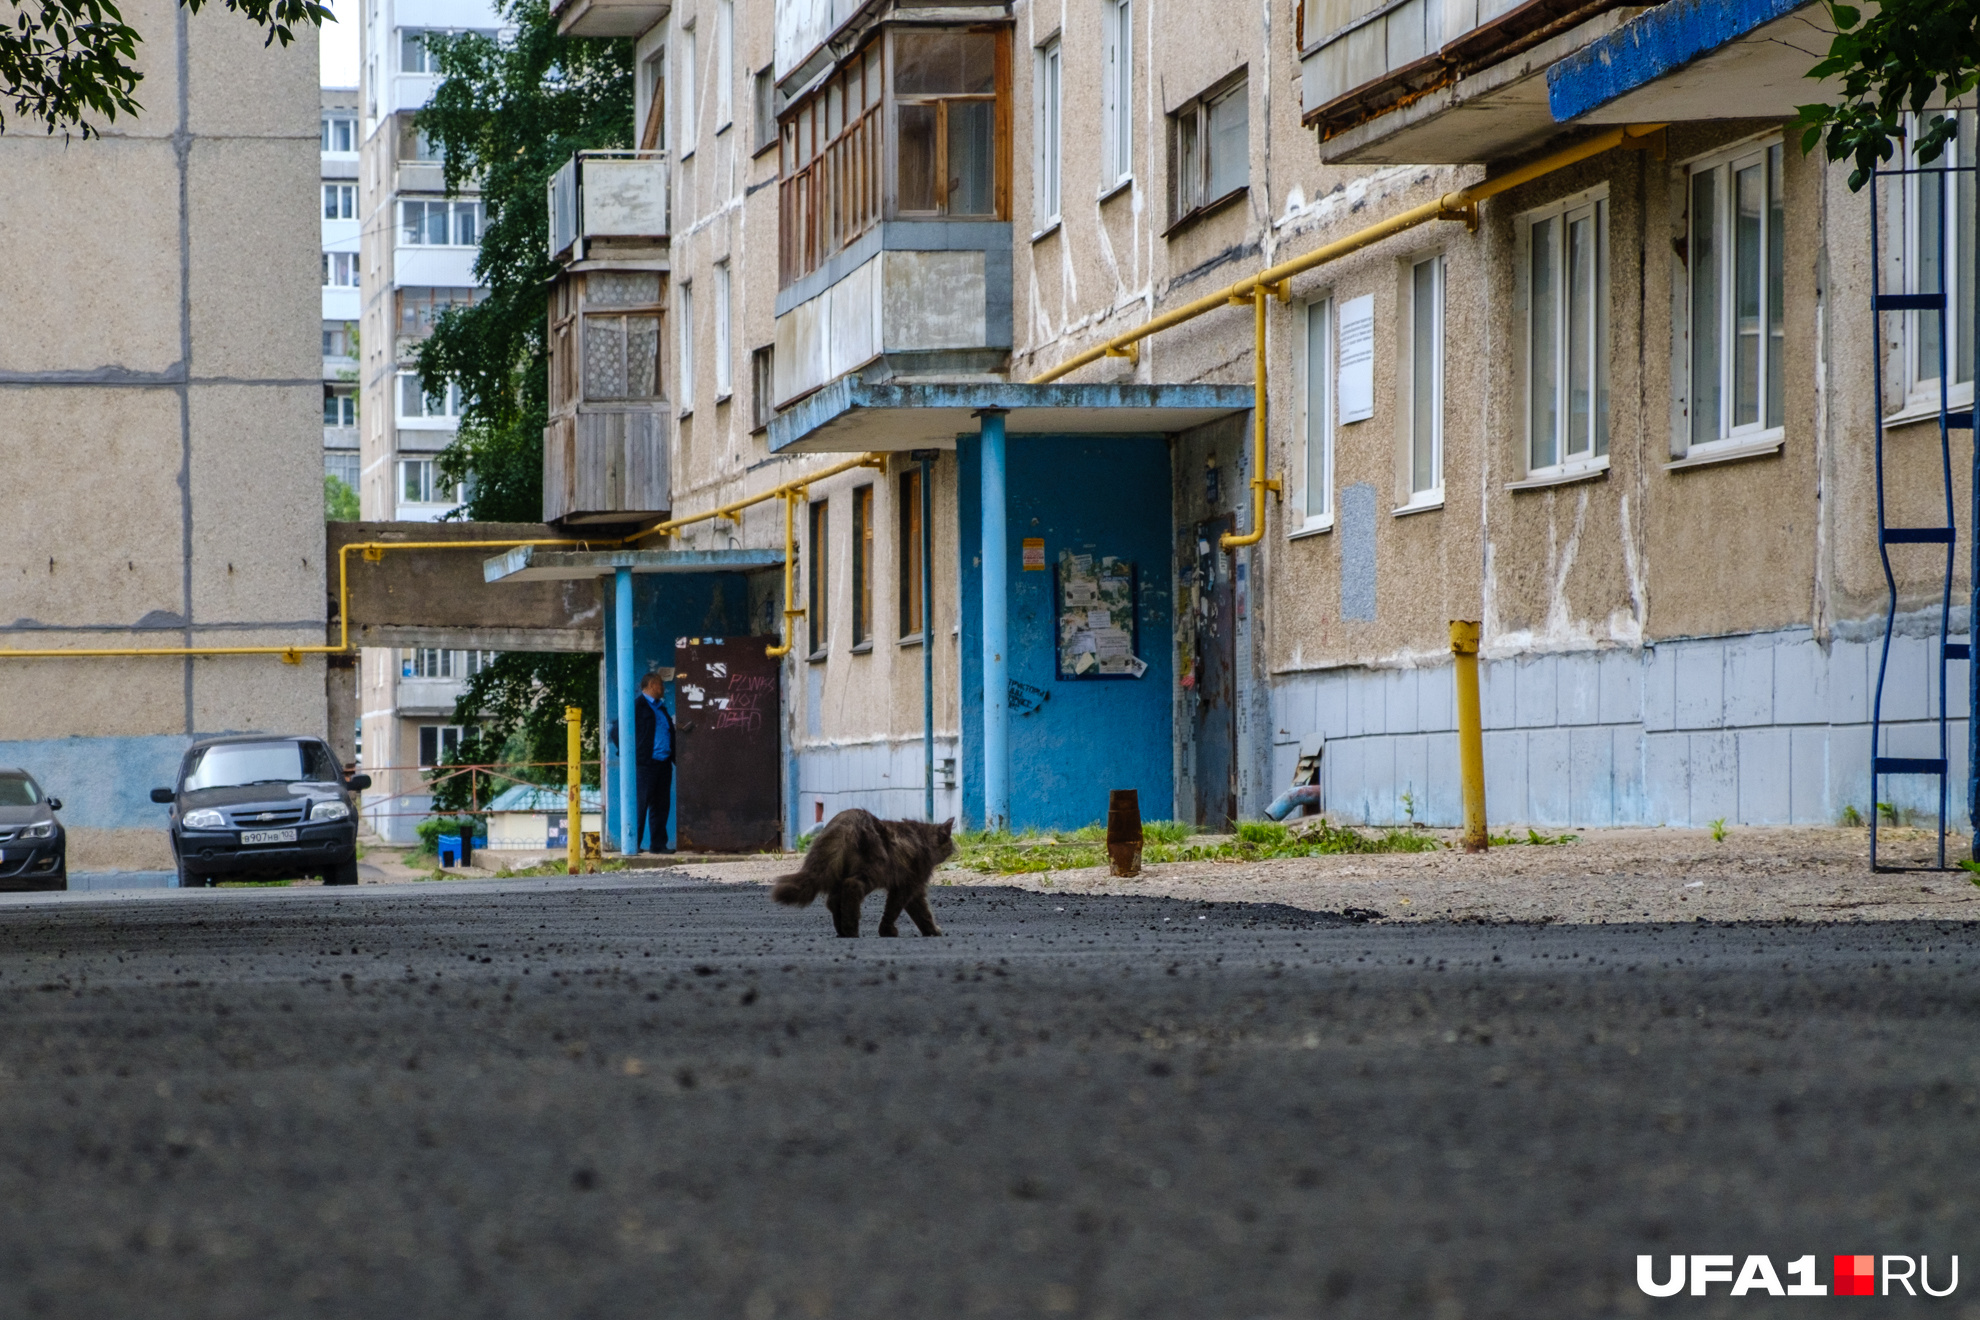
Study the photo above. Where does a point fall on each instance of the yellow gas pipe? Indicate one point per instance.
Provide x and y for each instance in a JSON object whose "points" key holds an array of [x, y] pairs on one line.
{"points": [[791, 612], [1260, 483]]}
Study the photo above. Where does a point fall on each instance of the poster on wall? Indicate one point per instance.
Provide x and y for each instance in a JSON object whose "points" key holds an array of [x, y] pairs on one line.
{"points": [[1357, 375], [1098, 635]]}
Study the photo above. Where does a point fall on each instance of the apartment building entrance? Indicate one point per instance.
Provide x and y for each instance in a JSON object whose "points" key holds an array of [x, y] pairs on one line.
{"points": [[1209, 622], [726, 717]]}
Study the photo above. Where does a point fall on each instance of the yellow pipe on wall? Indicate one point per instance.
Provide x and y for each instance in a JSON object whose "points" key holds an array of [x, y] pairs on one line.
{"points": [[1471, 733], [673, 525], [1260, 483], [573, 779], [1459, 205], [790, 575]]}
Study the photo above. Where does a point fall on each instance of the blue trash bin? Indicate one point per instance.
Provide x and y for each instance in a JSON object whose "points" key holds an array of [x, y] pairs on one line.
{"points": [[449, 848]]}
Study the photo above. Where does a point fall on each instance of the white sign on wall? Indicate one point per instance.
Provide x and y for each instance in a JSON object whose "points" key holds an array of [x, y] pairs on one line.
{"points": [[1357, 379]]}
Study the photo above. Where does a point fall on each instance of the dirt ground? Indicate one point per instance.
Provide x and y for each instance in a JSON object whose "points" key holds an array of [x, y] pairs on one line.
{"points": [[1615, 875]]}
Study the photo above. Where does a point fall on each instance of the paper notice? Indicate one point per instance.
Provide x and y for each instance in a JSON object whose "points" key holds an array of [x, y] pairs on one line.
{"points": [[1357, 359], [1079, 595], [1083, 644], [1082, 565], [1137, 666], [1110, 642], [1099, 619], [1084, 664]]}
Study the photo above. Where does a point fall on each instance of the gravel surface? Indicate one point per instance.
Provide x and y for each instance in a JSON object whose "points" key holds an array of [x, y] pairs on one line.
{"points": [[647, 1096], [1613, 875]]}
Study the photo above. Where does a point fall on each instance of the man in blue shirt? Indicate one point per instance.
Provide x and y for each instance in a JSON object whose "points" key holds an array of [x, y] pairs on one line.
{"points": [[653, 739]]}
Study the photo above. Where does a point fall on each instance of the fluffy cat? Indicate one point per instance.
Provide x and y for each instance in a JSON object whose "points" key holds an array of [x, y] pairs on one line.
{"points": [[857, 853]]}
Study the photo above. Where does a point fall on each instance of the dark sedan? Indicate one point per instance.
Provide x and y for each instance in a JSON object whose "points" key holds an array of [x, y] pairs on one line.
{"points": [[260, 808], [34, 851]]}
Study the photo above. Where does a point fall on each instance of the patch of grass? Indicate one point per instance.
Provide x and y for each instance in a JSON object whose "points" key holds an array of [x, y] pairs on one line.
{"points": [[1534, 838], [1003, 853], [1851, 816], [1719, 830]]}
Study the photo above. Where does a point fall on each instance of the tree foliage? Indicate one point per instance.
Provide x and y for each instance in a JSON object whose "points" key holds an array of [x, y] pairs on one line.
{"points": [[1904, 56], [509, 113], [340, 502], [513, 714], [66, 63]]}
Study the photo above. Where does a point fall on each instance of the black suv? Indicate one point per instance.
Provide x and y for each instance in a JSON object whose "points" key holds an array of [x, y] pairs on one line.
{"points": [[260, 808], [34, 852]]}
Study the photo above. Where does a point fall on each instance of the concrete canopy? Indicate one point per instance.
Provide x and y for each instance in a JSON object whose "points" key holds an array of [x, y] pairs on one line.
{"points": [[533, 563], [852, 417]]}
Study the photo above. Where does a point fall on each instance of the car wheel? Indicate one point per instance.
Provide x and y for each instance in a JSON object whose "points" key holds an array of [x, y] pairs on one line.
{"points": [[344, 873], [191, 879]]}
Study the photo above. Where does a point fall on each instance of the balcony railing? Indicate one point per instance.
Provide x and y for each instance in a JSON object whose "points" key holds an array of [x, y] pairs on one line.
{"points": [[607, 195]]}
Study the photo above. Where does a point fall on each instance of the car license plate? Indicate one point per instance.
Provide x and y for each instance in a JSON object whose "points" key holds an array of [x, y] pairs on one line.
{"points": [[268, 836]]}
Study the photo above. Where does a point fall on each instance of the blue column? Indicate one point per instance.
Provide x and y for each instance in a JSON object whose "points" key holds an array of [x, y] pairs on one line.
{"points": [[996, 627], [622, 655]]}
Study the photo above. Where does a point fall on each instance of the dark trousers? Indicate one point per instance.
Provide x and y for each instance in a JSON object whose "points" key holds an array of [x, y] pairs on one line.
{"points": [[656, 803]]}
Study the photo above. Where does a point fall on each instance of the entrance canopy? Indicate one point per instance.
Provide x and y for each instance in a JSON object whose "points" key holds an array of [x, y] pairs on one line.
{"points": [[538, 563], [852, 417]]}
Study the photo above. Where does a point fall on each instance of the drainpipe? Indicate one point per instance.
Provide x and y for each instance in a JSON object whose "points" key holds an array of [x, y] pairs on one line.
{"points": [[996, 625], [622, 650], [1260, 483], [927, 640]]}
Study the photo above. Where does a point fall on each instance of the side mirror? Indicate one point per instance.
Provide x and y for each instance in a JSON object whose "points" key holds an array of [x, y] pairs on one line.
{"points": [[358, 783], [54, 804], [163, 795]]}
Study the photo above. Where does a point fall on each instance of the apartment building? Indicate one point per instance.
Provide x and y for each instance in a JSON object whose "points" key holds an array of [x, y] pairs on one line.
{"points": [[416, 251], [158, 404], [341, 294], [1585, 352]]}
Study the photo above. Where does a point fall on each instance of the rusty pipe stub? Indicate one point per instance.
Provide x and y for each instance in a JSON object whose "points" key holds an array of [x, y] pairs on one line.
{"points": [[1124, 832]]}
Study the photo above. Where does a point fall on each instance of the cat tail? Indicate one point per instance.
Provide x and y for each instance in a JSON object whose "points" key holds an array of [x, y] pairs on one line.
{"points": [[796, 889]]}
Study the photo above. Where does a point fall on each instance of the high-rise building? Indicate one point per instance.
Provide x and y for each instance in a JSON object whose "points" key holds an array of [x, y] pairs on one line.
{"points": [[416, 254], [340, 284]]}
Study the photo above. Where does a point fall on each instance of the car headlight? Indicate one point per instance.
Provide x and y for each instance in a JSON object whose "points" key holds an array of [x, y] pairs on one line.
{"points": [[45, 830], [329, 811], [203, 820]]}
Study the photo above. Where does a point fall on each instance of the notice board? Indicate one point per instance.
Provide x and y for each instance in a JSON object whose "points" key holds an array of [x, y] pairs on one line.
{"points": [[1095, 598]]}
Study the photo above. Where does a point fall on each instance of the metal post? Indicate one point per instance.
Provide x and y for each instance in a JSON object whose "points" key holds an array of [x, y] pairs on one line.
{"points": [[622, 657], [927, 457], [573, 776], [1471, 736], [996, 626]]}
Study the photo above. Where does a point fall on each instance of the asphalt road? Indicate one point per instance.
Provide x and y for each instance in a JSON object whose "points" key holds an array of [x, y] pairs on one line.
{"points": [[667, 1099]]}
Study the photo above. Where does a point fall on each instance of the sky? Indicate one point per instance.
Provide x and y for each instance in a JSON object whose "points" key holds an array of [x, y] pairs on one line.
{"points": [[340, 45]]}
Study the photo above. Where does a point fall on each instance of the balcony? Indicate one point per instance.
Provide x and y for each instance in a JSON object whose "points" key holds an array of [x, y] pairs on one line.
{"points": [[606, 203]]}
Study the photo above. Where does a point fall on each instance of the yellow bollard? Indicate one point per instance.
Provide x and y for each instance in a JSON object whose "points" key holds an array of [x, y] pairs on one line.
{"points": [[573, 775], [1471, 733]]}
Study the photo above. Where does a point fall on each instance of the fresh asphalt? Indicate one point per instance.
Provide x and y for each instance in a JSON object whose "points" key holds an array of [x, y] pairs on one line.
{"points": [[643, 1097]]}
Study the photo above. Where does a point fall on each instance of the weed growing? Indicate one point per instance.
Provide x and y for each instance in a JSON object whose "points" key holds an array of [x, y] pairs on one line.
{"points": [[1002, 853]]}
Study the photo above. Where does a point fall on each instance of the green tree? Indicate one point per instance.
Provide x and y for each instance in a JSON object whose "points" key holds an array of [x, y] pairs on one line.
{"points": [[1905, 55], [509, 113], [340, 502], [63, 62]]}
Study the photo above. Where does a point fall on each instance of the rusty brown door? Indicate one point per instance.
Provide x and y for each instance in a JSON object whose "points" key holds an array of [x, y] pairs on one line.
{"points": [[1213, 701], [726, 789]]}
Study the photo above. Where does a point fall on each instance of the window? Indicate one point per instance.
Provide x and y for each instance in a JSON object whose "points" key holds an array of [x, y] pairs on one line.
{"points": [[339, 406], [819, 585], [431, 662], [1315, 502], [622, 336], [1212, 148], [340, 270], [339, 339], [340, 201], [653, 77], [1045, 129], [418, 146], [439, 224], [414, 54], [765, 136], [909, 557], [1567, 342], [831, 169], [339, 134], [417, 405], [437, 742], [686, 319], [420, 306], [343, 465], [1938, 237], [1116, 92], [420, 482], [686, 78], [945, 122], [725, 371], [725, 63], [762, 386], [862, 543], [1426, 383], [1736, 265]]}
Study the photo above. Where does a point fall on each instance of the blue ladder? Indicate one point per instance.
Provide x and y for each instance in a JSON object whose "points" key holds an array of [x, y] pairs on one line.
{"points": [[1928, 304]]}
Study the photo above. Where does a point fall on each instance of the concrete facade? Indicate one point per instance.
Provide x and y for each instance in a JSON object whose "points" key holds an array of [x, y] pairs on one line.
{"points": [[159, 371], [1679, 628], [342, 134]]}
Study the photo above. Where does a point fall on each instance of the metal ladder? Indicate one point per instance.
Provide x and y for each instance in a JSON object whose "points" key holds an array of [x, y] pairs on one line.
{"points": [[1929, 304]]}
